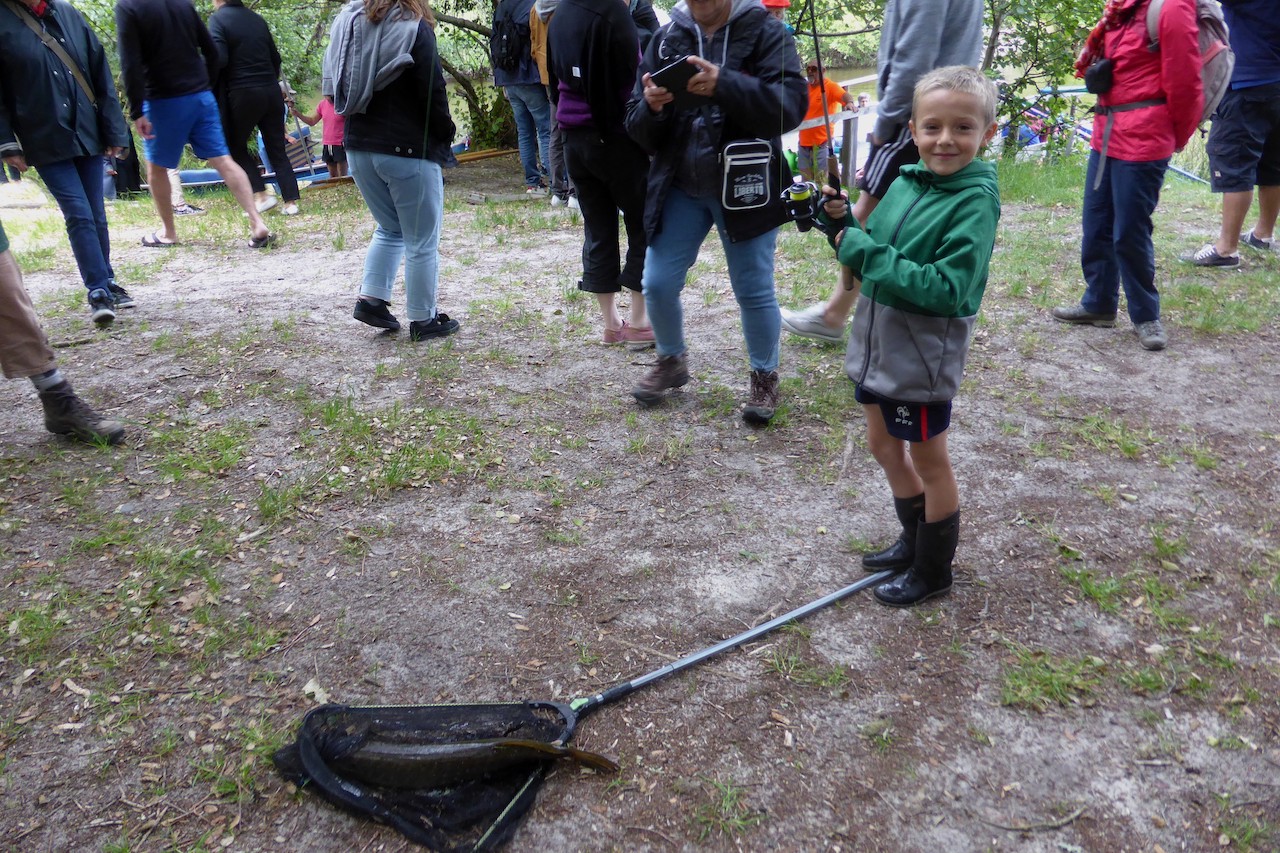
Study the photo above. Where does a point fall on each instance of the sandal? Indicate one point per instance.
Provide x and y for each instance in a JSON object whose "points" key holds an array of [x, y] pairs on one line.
{"points": [[153, 241], [262, 242]]}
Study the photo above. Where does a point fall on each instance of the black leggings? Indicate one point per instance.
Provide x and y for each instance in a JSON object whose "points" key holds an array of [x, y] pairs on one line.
{"points": [[261, 107]]}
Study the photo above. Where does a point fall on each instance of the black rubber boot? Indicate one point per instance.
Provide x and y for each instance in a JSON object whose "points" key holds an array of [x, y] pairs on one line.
{"points": [[901, 553], [930, 574]]}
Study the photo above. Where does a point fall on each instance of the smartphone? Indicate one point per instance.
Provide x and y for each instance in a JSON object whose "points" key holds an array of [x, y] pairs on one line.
{"points": [[674, 77]]}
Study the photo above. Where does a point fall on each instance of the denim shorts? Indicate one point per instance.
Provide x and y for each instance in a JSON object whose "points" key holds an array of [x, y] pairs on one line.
{"points": [[177, 121], [1244, 140], [908, 421]]}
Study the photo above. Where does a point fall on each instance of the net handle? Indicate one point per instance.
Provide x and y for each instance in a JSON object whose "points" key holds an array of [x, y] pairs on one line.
{"points": [[586, 705]]}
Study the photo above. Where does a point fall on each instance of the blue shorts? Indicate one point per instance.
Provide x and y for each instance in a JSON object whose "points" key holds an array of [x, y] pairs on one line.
{"points": [[177, 121], [1244, 140], [908, 421]]}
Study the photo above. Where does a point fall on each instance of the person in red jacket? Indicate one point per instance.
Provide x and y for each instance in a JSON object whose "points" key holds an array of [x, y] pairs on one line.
{"points": [[1150, 111]]}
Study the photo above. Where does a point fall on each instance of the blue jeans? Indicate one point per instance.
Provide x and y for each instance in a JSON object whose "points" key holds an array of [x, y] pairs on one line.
{"points": [[1116, 245], [76, 185], [683, 225], [406, 197], [532, 110]]}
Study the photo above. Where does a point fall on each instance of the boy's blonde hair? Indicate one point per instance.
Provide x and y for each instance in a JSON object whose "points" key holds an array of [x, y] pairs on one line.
{"points": [[959, 78]]}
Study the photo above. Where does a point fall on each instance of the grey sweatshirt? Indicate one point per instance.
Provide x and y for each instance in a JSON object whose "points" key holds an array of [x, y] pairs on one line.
{"points": [[918, 36], [363, 58]]}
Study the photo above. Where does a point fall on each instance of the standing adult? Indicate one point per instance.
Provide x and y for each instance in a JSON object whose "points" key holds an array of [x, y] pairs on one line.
{"points": [[593, 53], [916, 37], [25, 354], [826, 97], [515, 71], [248, 83], [333, 153], [59, 114], [1244, 140], [167, 59], [562, 191], [746, 88], [383, 74], [1150, 110]]}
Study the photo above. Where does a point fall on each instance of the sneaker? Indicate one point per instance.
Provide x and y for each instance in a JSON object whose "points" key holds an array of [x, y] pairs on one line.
{"points": [[442, 326], [808, 324], [375, 313], [1076, 314], [102, 308], [1207, 256], [573, 203], [671, 371], [764, 397], [1263, 244], [66, 414], [535, 191], [290, 210], [1151, 335], [266, 204], [120, 296], [559, 200], [185, 209]]}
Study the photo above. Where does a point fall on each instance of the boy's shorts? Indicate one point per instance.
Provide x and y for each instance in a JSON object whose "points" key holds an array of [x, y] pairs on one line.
{"points": [[908, 421], [886, 160], [1244, 140], [177, 121], [332, 154], [804, 159]]}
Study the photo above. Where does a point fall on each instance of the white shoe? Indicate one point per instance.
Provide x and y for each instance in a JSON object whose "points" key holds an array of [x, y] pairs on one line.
{"points": [[557, 201], [573, 203], [290, 210], [266, 204], [808, 324]]}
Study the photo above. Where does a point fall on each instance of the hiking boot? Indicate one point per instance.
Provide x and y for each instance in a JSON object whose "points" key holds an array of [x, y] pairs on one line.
{"points": [[120, 296], [1207, 256], [1259, 243], [902, 553], [671, 371], [1077, 315], [66, 414], [1151, 335], [102, 308], [809, 324], [185, 209], [375, 313], [764, 397], [441, 326], [930, 572]]}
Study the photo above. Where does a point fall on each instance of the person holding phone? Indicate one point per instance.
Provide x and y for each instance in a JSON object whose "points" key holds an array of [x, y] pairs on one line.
{"points": [[746, 89]]}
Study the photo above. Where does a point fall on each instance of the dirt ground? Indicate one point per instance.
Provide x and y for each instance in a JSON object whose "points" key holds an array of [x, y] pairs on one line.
{"points": [[304, 505]]}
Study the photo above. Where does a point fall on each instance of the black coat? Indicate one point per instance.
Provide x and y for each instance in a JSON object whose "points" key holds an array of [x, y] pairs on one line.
{"points": [[44, 114], [761, 93]]}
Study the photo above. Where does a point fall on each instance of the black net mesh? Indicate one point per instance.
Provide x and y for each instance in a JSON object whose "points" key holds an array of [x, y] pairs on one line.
{"points": [[436, 780]]}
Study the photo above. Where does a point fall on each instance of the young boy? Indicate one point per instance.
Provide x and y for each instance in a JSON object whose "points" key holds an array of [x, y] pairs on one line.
{"points": [[922, 260]]}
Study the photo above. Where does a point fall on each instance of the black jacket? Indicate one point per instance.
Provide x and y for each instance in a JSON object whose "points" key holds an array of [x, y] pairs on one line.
{"points": [[410, 116], [165, 50], [760, 93], [593, 50], [44, 115], [247, 54]]}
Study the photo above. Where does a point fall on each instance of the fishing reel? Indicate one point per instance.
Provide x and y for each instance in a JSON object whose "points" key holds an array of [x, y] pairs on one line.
{"points": [[803, 201]]}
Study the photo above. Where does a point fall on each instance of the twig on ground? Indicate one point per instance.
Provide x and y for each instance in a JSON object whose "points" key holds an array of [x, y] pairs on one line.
{"points": [[1037, 827], [654, 832]]}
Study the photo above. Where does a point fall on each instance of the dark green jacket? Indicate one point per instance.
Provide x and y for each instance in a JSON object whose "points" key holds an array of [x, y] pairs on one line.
{"points": [[923, 263]]}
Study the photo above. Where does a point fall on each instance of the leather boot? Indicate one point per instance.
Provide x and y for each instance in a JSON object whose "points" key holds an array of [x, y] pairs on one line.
{"points": [[902, 552], [930, 574], [671, 371], [66, 414]]}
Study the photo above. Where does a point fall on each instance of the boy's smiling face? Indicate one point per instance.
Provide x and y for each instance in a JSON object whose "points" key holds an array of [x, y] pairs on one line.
{"points": [[949, 128]]}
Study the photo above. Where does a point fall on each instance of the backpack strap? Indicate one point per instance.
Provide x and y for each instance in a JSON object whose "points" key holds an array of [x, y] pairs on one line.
{"points": [[1153, 25], [24, 15], [1106, 134]]}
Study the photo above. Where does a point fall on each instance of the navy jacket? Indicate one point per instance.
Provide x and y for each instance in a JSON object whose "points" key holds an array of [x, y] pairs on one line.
{"points": [[165, 50], [528, 72], [44, 115]]}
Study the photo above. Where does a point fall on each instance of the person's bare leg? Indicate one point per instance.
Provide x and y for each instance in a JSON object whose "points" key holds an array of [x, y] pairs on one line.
{"points": [[1268, 208], [1235, 207], [609, 311], [158, 182], [639, 313], [892, 456], [933, 464], [238, 182]]}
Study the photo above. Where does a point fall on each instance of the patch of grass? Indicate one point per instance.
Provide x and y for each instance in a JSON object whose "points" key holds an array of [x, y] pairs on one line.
{"points": [[879, 734], [1107, 593], [726, 813], [1113, 435], [1037, 680]]}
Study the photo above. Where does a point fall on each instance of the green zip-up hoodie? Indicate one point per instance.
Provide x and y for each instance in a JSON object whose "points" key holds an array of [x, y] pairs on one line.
{"points": [[923, 263]]}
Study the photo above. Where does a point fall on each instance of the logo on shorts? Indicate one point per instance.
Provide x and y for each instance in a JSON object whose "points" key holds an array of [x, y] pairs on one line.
{"points": [[903, 416]]}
